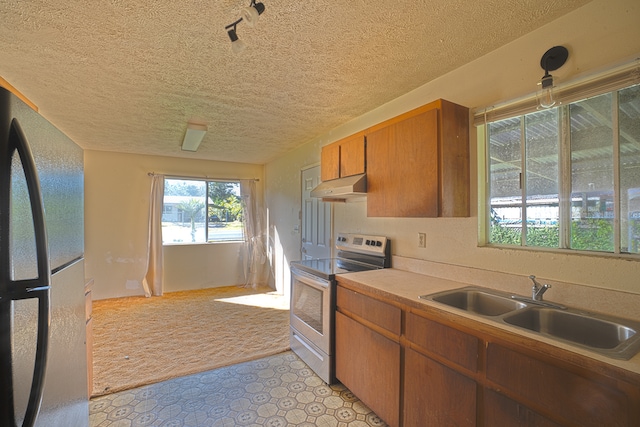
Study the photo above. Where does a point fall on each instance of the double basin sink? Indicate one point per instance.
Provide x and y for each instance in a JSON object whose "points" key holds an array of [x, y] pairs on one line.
{"points": [[610, 336]]}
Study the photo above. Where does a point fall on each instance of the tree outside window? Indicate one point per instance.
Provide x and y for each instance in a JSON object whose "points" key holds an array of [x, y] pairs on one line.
{"points": [[201, 211]]}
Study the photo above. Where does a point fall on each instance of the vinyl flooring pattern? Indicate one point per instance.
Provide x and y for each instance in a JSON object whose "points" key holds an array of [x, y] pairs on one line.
{"points": [[277, 391]]}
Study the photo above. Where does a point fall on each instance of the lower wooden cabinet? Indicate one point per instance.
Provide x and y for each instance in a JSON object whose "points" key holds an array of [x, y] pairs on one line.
{"points": [[421, 368], [435, 395], [368, 364], [575, 397]]}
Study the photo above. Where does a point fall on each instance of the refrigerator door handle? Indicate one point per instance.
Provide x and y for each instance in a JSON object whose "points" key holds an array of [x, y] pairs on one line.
{"points": [[38, 289], [41, 290]]}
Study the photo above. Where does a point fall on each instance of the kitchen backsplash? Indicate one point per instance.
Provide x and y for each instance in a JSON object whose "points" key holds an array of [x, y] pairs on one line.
{"points": [[618, 303]]}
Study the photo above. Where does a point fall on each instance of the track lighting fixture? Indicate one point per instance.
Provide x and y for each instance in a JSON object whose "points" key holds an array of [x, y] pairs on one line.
{"points": [[552, 59], [248, 14]]}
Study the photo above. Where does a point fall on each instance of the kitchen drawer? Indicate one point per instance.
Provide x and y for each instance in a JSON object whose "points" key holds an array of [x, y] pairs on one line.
{"points": [[386, 316], [454, 345], [502, 411]]}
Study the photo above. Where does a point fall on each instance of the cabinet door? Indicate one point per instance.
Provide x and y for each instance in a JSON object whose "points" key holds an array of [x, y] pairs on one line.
{"points": [[575, 398], [368, 364], [435, 395], [352, 156], [330, 162], [454, 160], [402, 168]]}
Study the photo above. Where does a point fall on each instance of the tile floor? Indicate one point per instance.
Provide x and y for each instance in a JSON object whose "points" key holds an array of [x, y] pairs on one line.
{"points": [[277, 391]]}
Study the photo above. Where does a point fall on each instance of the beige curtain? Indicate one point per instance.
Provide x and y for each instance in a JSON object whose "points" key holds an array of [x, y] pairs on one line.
{"points": [[254, 249], [152, 282]]}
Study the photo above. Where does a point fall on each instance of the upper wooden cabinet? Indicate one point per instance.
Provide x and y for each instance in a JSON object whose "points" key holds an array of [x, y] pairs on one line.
{"points": [[343, 158], [418, 163]]}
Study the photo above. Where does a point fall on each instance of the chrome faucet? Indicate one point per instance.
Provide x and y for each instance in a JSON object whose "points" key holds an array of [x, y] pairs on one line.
{"points": [[537, 290]]}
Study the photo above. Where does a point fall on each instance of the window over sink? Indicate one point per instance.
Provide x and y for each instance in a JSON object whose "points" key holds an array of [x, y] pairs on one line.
{"points": [[566, 177]]}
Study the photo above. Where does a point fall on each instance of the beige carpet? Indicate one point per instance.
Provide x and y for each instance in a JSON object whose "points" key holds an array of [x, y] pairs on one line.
{"points": [[141, 340]]}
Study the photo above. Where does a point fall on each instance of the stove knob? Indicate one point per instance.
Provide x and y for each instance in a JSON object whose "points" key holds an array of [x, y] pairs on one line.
{"points": [[378, 243], [368, 242]]}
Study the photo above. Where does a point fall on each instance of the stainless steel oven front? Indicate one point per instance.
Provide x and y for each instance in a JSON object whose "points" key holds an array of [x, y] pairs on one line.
{"points": [[313, 289], [312, 321]]}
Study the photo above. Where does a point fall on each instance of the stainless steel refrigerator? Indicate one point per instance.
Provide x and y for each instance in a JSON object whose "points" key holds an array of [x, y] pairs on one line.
{"points": [[43, 364]]}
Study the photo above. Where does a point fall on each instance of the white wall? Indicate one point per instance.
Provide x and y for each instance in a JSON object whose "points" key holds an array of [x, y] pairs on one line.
{"points": [[600, 35], [117, 189]]}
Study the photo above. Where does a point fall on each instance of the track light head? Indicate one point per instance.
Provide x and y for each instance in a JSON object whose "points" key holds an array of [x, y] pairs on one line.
{"points": [[237, 45], [251, 13]]}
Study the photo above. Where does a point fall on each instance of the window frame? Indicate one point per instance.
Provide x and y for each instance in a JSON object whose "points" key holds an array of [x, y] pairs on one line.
{"points": [[206, 181], [564, 177]]}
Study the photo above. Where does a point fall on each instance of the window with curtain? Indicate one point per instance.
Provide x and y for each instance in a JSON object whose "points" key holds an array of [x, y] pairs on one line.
{"points": [[201, 211], [567, 177]]}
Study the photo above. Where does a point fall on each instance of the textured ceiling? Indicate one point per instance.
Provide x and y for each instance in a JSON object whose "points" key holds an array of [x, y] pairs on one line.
{"points": [[127, 76]]}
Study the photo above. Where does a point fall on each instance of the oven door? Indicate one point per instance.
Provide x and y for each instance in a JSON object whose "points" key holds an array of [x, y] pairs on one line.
{"points": [[311, 311]]}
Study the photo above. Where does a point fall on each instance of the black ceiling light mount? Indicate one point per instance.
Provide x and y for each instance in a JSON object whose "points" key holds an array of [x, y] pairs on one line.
{"points": [[552, 59], [250, 15]]}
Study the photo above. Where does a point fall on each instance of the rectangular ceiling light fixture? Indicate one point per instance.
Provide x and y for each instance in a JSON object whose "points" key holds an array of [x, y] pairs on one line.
{"points": [[193, 136]]}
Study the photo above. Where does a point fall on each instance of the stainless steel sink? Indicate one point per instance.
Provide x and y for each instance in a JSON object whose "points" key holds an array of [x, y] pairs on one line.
{"points": [[607, 335], [477, 301]]}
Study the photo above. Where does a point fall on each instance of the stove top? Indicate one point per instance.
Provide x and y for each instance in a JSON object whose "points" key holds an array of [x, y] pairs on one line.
{"points": [[356, 252], [329, 267]]}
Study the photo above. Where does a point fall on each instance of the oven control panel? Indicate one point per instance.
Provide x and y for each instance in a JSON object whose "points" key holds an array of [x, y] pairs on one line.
{"points": [[363, 243]]}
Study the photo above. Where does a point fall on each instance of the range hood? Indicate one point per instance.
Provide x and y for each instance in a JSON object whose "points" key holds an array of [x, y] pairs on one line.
{"points": [[342, 189]]}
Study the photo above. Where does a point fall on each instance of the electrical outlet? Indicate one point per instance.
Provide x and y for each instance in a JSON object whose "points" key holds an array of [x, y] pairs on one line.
{"points": [[422, 240]]}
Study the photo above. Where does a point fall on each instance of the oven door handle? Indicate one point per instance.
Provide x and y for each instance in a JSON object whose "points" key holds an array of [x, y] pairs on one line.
{"points": [[310, 279]]}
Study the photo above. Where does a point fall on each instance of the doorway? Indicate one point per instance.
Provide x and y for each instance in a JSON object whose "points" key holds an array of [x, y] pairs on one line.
{"points": [[316, 218]]}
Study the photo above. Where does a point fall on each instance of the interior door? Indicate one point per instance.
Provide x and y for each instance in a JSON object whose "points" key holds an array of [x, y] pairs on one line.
{"points": [[316, 219]]}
